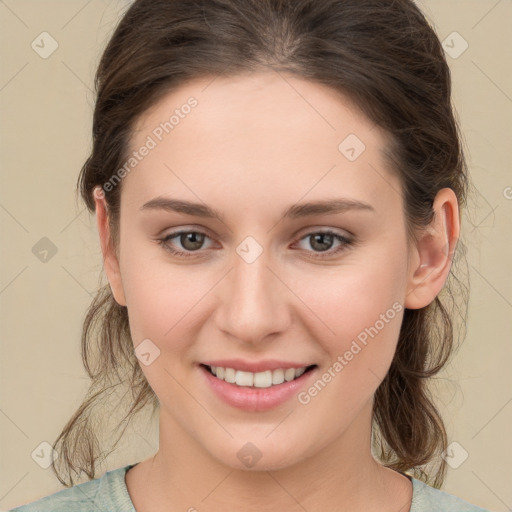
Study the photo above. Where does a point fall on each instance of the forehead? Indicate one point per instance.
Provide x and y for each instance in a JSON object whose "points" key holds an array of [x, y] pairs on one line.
{"points": [[262, 136]]}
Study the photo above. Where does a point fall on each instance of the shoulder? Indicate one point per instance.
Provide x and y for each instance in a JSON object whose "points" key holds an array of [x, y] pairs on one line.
{"points": [[429, 499], [108, 493]]}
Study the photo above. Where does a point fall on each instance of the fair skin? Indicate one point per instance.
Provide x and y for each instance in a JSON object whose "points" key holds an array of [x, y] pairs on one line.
{"points": [[254, 146]]}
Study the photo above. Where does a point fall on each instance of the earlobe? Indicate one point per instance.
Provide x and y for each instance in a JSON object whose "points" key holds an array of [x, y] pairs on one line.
{"points": [[431, 258], [110, 260]]}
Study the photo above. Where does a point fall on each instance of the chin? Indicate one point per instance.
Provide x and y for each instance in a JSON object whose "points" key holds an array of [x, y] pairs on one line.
{"points": [[257, 456]]}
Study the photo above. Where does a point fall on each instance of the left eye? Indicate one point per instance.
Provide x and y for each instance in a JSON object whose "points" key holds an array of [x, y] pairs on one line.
{"points": [[192, 241], [322, 241]]}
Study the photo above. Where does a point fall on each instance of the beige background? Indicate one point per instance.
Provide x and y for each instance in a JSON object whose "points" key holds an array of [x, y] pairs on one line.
{"points": [[46, 117]]}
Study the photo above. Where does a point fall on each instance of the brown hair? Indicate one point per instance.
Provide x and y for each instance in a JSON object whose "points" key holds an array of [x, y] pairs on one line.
{"points": [[383, 55]]}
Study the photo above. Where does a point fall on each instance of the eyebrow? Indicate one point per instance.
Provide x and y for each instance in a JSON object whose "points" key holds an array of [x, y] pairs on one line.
{"points": [[324, 207]]}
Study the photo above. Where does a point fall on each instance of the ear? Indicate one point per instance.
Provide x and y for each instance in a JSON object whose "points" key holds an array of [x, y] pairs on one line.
{"points": [[110, 260], [431, 256]]}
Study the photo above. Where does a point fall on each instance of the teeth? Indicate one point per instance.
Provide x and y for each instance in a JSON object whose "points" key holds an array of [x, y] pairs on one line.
{"points": [[299, 371], [230, 375], [278, 376], [289, 374], [259, 380], [243, 378]]}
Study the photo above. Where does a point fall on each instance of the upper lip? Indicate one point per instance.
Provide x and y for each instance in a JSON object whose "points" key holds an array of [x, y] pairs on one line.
{"points": [[255, 366]]}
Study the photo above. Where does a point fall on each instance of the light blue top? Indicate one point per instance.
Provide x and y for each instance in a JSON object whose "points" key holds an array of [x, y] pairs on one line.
{"points": [[110, 494]]}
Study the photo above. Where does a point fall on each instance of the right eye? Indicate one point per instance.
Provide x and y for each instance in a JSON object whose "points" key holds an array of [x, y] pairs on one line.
{"points": [[191, 241]]}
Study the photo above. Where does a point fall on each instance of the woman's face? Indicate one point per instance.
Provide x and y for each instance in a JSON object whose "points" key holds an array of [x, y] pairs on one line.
{"points": [[260, 284]]}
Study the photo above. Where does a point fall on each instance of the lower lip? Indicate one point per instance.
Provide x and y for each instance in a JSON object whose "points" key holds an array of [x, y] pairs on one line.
{"points": [[255, 399]]}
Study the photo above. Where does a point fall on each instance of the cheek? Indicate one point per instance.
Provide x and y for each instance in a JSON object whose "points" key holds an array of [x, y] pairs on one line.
{"points": [[159, 304], [168, 303], [358, 312], [364, 315], [156, 294], [353, 296]]}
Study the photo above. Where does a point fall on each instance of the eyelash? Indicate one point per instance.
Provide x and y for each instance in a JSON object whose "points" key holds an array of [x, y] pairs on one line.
{"points": [[346, 243]]}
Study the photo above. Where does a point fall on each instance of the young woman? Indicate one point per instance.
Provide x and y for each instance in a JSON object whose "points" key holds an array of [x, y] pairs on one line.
{"points": [[277, 187]]}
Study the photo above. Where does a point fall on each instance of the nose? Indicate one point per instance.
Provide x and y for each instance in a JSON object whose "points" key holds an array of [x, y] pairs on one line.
{"points": [[253, 301]]}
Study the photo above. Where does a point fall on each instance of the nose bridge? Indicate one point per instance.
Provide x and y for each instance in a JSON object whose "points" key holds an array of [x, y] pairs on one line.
{"points": [[253, 300]]}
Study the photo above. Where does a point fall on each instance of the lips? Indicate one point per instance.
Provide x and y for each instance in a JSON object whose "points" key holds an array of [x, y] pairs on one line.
{"points": [[252, 390]]}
